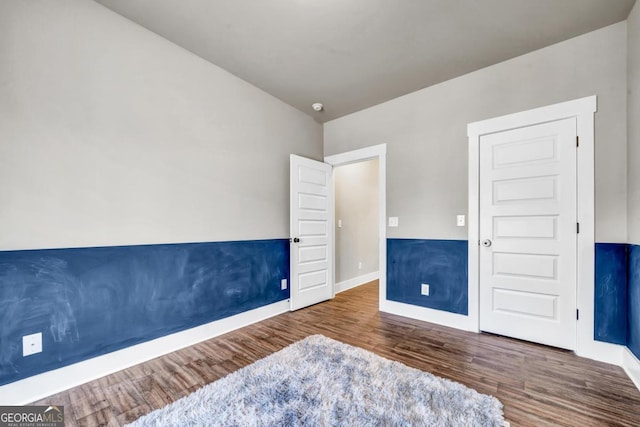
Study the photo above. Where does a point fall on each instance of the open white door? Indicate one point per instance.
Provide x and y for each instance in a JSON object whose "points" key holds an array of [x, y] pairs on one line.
{"points": [[311, 228]]}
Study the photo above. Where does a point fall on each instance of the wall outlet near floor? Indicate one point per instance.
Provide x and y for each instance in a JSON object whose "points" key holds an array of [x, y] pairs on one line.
{"points": [[424, 290], [283, 284], [31, 344], [360, 265], [393, 221]]}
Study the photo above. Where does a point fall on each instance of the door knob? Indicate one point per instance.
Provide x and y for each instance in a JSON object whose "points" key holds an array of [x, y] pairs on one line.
{"points": [[486, 243], [296, 240]]}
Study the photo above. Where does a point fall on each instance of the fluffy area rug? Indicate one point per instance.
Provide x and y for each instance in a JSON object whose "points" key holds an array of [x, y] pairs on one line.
{"points": [[322, 382]]}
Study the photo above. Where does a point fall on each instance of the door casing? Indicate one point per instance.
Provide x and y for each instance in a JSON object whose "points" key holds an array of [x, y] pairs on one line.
{"points": [[583, 110]]}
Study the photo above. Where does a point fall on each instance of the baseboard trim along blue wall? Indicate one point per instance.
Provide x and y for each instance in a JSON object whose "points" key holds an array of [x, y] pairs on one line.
{"points": [[91, 301], [442, 264]]}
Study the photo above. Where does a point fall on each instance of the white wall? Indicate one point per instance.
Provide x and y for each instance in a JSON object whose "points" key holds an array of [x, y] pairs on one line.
{"points": [[356, 205], [112, 135], [425, 131], [633, 123]]}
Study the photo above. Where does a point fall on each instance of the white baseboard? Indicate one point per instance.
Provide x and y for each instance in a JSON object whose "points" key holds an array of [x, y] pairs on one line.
{"points": [[600, 351], [631, 366], [46, 384], [439, 317], [357, 281]]}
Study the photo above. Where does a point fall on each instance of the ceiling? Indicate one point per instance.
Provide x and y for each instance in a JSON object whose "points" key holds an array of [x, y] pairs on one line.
{"points": [[353, 54]]}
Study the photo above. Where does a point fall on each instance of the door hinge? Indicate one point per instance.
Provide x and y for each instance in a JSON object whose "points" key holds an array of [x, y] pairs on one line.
{"points": [[577, 314], [577, 141], [578, 227]]}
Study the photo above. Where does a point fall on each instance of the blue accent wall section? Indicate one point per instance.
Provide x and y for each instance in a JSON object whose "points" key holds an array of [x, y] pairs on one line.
{"points": [[440, 263], [633, 301], [610, 317], [617, 295], [92, 301]]}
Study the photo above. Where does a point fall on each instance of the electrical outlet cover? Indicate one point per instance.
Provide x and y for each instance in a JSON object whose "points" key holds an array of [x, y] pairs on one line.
{"points": [[31, 344], [424, 290]]}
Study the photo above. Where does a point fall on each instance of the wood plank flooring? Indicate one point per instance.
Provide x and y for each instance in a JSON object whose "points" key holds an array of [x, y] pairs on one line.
{"points": [[538, 385]]}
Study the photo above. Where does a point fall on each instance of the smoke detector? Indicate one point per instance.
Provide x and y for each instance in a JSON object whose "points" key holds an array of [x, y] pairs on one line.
{"points": [[317, 106]]}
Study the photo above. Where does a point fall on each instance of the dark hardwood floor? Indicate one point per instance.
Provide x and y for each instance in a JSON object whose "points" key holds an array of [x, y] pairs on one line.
{"points": [[538, 385]]}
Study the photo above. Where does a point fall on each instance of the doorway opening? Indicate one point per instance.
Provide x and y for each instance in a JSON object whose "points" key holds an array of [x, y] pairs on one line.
{"points": [[356, 195], [377, 154]]}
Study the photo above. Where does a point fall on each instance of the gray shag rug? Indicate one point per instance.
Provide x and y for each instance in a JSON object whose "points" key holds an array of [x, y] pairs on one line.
{"points": [[322, 382]]}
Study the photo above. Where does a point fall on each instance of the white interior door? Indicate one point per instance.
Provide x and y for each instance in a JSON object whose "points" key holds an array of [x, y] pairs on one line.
{"points": [[528, 233], [311, 232]]}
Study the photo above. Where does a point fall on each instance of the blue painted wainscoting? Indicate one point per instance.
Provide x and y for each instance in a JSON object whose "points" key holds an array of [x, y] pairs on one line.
{"points": [[617, 295], [633, 333], [443, 265], [440, 263], [92, 301], [610, 317]]}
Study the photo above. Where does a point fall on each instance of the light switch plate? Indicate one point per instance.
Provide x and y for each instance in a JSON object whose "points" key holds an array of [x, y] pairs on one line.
{"points": [[283, 284], [460, 220]]}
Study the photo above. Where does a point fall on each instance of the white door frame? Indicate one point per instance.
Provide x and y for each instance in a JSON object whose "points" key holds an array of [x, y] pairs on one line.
{"points": [[374, 152], [583, 110]]}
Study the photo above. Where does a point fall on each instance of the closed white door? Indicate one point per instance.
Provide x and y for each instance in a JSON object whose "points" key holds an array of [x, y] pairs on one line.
{"points": [[311, 232], [528, 233]]}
